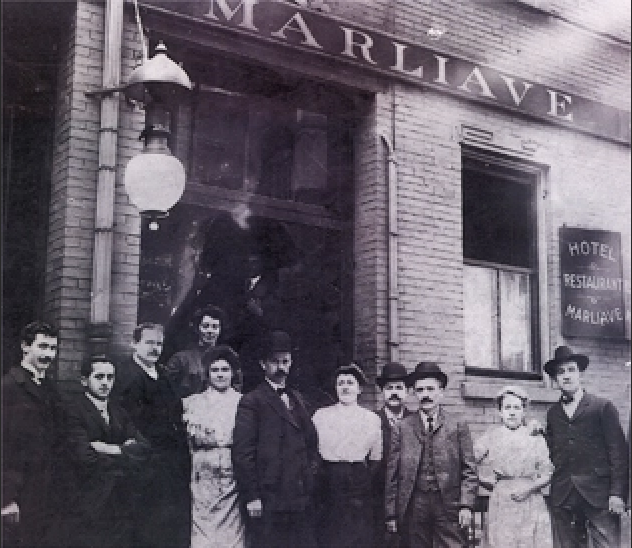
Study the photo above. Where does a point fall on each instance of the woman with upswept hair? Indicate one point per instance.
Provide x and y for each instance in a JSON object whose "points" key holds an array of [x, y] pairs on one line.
{"points": [[514, 464]]}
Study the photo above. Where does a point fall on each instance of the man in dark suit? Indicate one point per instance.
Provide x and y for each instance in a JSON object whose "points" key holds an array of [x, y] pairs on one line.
{"points": [[106, 453], [431, 477], [392, 383], [142, 387], [275, 454], [590, 455], [31, 411]]}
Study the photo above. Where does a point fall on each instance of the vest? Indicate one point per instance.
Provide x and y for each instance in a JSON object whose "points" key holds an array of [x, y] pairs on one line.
{"points": [[426, 475]]}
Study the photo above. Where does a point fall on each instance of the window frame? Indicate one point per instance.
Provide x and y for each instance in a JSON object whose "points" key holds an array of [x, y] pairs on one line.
{"points": [[521, 171]]}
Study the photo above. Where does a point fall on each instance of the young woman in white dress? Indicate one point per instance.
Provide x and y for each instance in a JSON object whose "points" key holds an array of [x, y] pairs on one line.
{"points": [[210, 419]]}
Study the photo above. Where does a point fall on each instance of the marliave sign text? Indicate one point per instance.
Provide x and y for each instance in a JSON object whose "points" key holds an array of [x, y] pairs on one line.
{"points": [[374, 50]]}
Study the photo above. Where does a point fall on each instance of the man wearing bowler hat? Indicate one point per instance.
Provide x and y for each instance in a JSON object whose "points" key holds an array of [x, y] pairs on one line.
{"points": [[590, 455], [275, 454], [392, 383], [431, 478]]}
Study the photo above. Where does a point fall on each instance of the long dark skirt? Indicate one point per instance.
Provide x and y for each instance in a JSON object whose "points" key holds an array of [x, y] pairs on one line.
{"points": [[346, 506]]}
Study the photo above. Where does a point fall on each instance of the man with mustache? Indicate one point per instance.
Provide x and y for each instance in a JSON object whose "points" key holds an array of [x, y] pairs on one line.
{"points": [[275, 454], [590, 454], [30, 423], [392, 383], [431, 476], [163, 507]]}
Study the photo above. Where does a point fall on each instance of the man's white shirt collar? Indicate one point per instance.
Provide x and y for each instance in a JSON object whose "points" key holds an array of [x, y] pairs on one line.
{"points": [[392, 417], [571, 407], [99, 404], [150, 370], [36, 374]]}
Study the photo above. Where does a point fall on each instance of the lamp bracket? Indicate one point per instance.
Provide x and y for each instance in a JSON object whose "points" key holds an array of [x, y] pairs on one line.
{"points": [[103, 92]]}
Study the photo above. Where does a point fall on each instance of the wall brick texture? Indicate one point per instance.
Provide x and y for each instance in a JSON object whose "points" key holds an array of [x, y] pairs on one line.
{"points": [[586, 181]]}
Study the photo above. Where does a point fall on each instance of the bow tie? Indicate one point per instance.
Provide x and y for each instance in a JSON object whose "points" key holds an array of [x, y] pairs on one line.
{"points": [[281, 390], [567, 398]]}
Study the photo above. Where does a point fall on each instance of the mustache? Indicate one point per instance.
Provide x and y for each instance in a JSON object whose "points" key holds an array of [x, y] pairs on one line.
{"points": [[394, 398], [426, 400]]}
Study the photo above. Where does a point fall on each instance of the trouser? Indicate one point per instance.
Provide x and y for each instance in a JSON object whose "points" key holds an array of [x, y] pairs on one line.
{"points": [[431, 523], [577, 524], [282, 530]]}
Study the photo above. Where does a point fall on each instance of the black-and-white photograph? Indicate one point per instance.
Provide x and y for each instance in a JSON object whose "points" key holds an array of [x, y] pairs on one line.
{"points": [[316, 273]]}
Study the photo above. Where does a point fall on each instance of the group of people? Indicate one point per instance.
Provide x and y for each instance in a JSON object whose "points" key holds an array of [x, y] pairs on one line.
{"points": [[152, 455]]}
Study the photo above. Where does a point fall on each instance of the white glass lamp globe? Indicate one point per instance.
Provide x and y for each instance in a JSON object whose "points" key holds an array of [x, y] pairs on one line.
{"points": [[154, 182]]}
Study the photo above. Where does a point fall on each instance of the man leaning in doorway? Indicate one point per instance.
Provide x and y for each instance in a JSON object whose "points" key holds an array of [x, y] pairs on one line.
{"points": [[590, 455]]}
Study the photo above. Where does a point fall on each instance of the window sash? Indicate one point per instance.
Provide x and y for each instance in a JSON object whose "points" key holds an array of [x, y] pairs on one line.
{"points": [[498, 318]]}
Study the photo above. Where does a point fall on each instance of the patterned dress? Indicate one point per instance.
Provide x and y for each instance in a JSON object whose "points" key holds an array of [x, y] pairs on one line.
{"points": [[217, 522], [519, 458]]}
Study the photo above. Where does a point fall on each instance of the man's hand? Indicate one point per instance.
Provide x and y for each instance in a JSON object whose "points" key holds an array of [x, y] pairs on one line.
{"points": [[465, 517], [616, 505], [391, 526], [105, 448], [11, 512], [255, 508]]}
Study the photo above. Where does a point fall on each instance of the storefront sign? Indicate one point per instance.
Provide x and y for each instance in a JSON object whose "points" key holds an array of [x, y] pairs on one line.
{"points": [[592, 283], [333, 37]]}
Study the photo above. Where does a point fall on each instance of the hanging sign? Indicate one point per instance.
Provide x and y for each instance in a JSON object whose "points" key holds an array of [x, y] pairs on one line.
{"points": [[592, 284]]}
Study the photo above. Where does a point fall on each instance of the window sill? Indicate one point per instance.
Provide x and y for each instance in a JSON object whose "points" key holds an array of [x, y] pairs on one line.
{"points": [[480, 391], [502, 374]]}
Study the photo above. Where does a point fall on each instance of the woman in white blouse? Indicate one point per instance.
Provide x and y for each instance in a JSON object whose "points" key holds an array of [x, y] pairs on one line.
{"points": [[350, 445]]}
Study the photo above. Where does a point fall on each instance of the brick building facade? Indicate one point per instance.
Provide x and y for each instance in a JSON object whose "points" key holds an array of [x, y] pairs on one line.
{"points": [[403, 154]]}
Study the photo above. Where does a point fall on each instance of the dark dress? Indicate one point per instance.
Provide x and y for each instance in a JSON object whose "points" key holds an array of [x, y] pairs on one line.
{"points": [[164, 516]]}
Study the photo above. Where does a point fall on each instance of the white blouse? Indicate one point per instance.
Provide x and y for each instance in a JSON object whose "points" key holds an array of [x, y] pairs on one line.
{"points": [[348, 433]]}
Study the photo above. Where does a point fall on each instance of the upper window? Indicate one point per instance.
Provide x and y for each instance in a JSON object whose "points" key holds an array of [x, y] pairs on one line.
{"points": [[249, 129], [500, 267]]}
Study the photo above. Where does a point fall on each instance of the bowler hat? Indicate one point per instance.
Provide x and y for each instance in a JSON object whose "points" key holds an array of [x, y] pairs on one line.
{"points": [[392, 371], [565, 354], [425, 370], [351, 369], [275, 341]]}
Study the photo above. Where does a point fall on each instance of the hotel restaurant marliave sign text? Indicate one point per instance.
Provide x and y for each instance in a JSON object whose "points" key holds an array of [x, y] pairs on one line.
{"points": [[321, 34]]}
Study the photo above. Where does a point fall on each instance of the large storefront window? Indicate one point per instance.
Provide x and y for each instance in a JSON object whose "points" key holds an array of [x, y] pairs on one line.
{"points": [[269, 182], [500, 274]]}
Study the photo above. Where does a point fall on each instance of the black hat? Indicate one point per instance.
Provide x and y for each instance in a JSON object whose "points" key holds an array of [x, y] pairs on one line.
{"points": [[392, 371], [565, 354], [426, 370], [351, 369], [275, 341]]}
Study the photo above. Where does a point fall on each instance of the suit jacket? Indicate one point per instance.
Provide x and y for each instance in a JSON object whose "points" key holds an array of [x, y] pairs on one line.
{"points": [[275, 450], [153, 405], [453, 462], [32, 416], [156, 411], [104, 484], [380, 477], [588, 450]]}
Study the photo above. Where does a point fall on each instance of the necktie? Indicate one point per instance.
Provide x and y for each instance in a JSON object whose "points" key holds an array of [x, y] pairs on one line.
{"points": [[106, 417], [567, 398], [429, 425]]}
